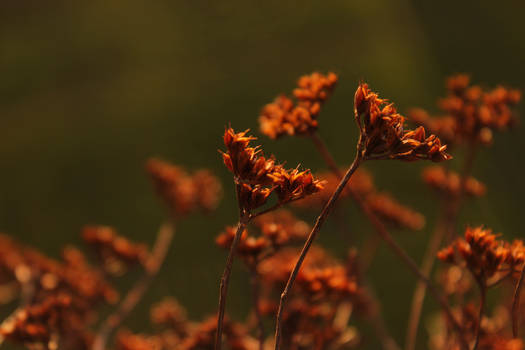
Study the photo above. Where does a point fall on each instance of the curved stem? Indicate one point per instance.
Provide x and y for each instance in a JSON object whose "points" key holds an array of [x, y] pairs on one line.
{"points": [[516, 303], [225, 280], [311, 237], [160, 250], [420, 290]]}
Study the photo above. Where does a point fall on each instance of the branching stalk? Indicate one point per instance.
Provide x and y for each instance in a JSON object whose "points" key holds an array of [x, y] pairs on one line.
{"points": [[135, 294]]}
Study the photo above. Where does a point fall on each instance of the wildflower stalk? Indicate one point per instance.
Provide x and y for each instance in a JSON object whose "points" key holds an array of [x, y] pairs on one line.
{"points": [[311, 237], [482, 293], [377, 322], [244, 217], [445, 227], [516, 303], [135, 294]]}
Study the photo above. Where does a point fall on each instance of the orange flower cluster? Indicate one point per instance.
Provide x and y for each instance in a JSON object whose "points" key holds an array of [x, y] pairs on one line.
{"points": [[114, 250], [125, 340], [483, 254], [45, 323], [383, 134], [258, 177], [171, 314], [471, 113], [393, 213], [284, 117], [325, 291], [203, 335], [184, 193], [277, 229], [448, 182]]}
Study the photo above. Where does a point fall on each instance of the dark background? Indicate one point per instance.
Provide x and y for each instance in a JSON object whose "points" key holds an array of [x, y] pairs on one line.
{"points": [[90, 90]]}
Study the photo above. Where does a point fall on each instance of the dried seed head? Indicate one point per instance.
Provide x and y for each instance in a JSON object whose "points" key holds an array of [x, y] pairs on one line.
{"points": [[448, 182], [286, 117], [383, 134]]}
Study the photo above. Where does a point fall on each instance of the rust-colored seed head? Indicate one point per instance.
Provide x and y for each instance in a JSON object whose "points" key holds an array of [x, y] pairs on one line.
{"points": [[286, 117], [448, 182], [182, 192], [257, 177], [387, 208], [384, 137]]}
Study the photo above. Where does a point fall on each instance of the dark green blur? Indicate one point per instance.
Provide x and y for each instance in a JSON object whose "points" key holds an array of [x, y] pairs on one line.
{"points": [[90, 90]]}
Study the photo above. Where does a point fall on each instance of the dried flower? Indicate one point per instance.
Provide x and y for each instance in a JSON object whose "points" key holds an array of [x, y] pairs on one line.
{"points": [[448, 182], [383, 134], [257, 176], [184, 193], [471, 113], [389, 210], [284, 117]]}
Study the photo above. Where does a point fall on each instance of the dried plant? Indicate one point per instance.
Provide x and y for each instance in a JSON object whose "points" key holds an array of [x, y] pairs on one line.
{"points": [[314, 297]]}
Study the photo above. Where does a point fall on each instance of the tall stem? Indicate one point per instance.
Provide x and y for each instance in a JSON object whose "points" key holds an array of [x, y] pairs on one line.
{"points": [[311, 237], [225, 280], [516, 303], [160, 250], [482, 293]]}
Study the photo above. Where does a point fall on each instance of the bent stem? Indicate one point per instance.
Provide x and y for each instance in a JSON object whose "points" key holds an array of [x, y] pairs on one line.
{"points": [[311, 237], [132, 298], [225, 280], [516, 303]]}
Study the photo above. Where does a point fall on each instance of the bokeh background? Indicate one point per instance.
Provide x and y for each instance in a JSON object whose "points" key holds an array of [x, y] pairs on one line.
{"points": [[90, 89]]}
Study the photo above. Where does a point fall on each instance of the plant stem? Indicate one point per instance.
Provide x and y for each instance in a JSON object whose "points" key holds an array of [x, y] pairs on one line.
{"points": [[159, 252], [255, 300], [420, 290], [311, 237], [225, 280], [516, 303], [482, 294]]}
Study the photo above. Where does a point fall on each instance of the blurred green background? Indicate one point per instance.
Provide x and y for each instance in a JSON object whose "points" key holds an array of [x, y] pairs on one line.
{"points": [[90, 89]]}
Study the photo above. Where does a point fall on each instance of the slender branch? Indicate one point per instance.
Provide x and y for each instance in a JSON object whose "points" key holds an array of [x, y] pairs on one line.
{"points": [[311, 237], [325, 153], [516, 303], [256, 309], [225, 280], [135, 294], [482, 294], [420, 290]]}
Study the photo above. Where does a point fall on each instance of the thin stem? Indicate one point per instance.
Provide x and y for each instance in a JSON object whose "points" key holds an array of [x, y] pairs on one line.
{"points": [[420, 290], [135, 294], [516, 303], [311, 237], [225, 280], [482, 294], [325, 153], [257, 311]]}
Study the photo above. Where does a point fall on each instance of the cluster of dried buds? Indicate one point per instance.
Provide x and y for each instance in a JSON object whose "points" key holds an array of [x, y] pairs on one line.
{"points": [[448, 183], [484, 255], [257, 176], [276, 230], [383, 134], [58, 297], [115, 251], [320, 307], [182, 192], [471, 113], [286, 117]]}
